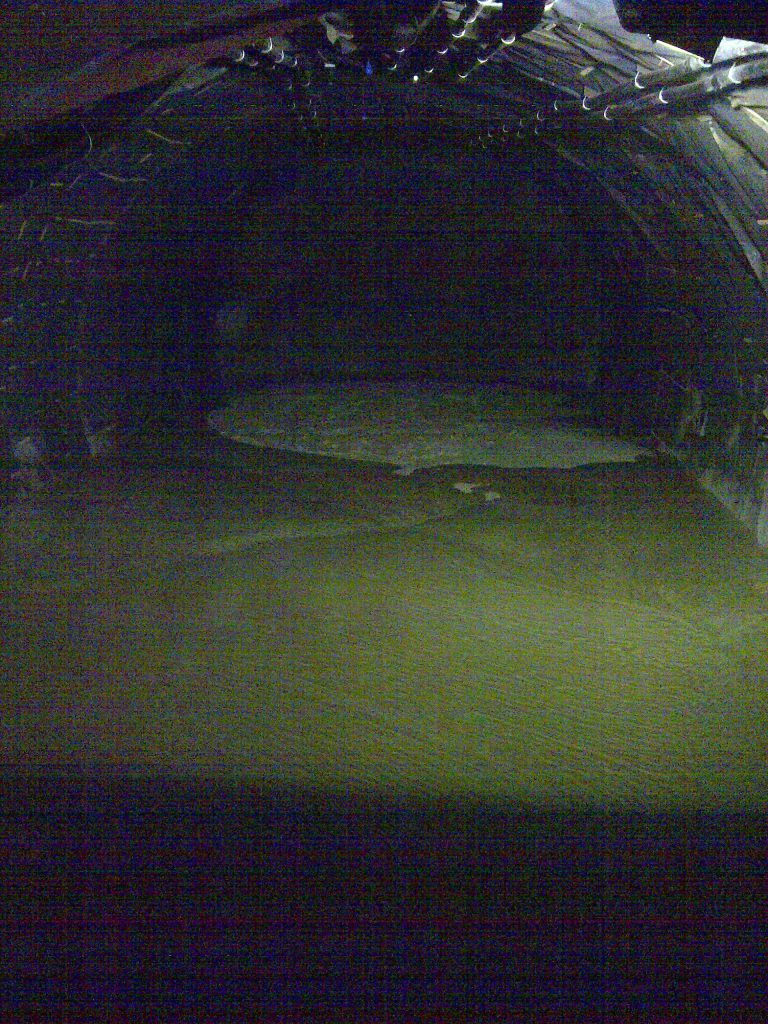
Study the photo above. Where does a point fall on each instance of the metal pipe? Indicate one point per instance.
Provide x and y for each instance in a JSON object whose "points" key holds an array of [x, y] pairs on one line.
{"points": [[664, 92]]}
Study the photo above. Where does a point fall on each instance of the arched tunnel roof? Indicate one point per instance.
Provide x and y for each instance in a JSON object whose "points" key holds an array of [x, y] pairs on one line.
{"points": [[115, 114], [103, 112]]}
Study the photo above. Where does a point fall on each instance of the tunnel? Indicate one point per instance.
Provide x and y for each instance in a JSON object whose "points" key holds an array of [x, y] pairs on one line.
{"points": [[384, 505]]}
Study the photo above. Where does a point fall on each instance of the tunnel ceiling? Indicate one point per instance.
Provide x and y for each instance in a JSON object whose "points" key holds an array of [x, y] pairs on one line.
{"points": [[109, 106]]}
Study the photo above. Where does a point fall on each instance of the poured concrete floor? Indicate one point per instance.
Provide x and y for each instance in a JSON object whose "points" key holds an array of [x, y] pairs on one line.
{"points": [[596, 636]]}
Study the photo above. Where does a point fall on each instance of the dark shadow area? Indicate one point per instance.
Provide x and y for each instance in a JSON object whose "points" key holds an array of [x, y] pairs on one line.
{"points": [[160, 899]]}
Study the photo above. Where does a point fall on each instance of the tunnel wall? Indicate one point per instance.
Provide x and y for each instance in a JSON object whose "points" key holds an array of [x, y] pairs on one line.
{"points": [[105, 274], [689, 367], [689, 373], [721, 421]]}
